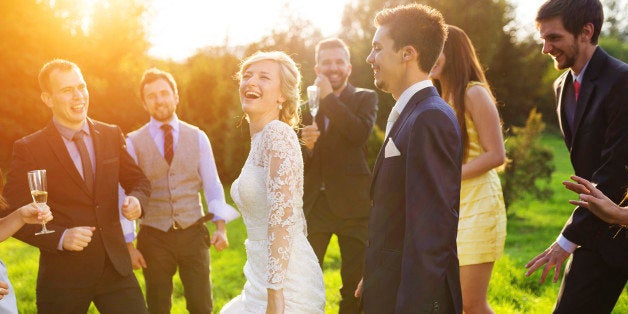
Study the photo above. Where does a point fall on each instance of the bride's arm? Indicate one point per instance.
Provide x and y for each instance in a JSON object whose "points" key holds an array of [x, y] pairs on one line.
{"points": [[282, 151]]}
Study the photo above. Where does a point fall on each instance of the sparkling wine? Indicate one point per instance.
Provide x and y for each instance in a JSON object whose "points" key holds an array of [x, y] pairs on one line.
{"points": [[39, 196], [313, 99]]}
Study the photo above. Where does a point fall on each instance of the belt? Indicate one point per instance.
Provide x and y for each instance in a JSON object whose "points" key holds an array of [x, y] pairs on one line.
{"points": [[201, 221]]}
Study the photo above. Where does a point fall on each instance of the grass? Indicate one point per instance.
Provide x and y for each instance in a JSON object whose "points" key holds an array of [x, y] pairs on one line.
{"points": [[532, 227]]}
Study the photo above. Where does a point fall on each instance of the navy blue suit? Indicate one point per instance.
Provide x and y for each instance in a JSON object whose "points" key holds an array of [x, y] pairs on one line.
{"points": [[411, 260]]}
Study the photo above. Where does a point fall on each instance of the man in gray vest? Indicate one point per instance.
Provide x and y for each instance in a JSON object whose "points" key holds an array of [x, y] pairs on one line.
{"points": [[177, 159]]}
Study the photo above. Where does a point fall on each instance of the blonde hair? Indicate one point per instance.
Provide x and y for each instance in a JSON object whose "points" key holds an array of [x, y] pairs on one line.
{"points": [[290, 82]]}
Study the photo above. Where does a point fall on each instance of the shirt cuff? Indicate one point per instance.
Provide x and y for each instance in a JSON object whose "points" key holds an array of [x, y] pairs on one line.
{"points": [[60, 245], [222, 211], [566, 244]]}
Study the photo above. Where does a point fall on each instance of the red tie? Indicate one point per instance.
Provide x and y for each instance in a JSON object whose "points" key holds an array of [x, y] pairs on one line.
{"points": [[168, 143], [576, 88]]}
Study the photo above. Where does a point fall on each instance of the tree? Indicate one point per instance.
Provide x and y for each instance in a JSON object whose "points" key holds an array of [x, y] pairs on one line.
{"points": [[109, 50]]}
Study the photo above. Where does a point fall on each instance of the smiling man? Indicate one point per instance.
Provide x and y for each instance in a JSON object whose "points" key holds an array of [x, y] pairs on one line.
{"points": [[85, 260], [337, 202], [592, 108], [411, 262], [178, 160]]}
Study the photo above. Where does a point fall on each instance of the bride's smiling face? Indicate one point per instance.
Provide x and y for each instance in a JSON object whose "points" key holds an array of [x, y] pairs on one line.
{"points": [[260, 88]]}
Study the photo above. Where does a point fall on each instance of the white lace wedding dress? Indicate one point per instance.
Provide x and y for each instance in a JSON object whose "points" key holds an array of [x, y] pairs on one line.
{"points": [[269, 194]]}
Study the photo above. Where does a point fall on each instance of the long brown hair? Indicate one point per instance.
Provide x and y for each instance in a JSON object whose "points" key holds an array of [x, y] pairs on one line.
{"points": [[461, 67]]}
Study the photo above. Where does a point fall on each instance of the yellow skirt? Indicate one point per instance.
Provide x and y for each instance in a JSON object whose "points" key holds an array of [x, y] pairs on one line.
{"points": [[482, 220]]}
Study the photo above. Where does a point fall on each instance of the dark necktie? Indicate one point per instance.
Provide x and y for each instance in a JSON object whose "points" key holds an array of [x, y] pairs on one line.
{"points": [[168, 148], [576, 88], [86, 162]]}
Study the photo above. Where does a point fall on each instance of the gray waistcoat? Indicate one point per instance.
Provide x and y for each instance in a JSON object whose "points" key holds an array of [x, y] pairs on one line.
{"points": [[175, 188]]}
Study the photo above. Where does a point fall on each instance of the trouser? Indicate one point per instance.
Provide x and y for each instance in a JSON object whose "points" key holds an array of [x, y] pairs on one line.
{"points": [[589, 285], [112, 294], [352, 235], [164, 252]]}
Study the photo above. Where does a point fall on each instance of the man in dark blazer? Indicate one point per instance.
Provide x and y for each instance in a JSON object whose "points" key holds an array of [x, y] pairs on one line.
{"points": [[86, 258], [411, 260], [337, 174], [592, 108]]}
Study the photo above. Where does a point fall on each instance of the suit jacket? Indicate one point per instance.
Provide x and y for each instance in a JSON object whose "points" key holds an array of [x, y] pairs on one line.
{"points": [[598, 149], [339, 159], [411, 260], [73, 206]]}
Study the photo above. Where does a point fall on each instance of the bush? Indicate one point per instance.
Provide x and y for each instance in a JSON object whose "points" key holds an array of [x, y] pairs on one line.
{"points": [[528, 163]]}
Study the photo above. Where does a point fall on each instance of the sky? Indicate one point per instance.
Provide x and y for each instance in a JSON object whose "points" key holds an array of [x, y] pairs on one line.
{"points": [[178, 28]]}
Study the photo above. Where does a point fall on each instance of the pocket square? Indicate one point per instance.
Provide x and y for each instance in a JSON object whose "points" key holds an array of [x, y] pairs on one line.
{"points": [[391, 150]]}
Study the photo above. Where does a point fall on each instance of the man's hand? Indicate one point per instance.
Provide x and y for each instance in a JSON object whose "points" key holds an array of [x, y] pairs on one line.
{"points": [[77, 238], [131, 208], [358, 290], [4, 289], [553, 257], [137, 259], [219, 238], [310, 134], [324, 85]]}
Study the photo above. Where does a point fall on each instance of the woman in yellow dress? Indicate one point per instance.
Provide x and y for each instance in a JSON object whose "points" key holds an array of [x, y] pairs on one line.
{"points": [[482, 220]]}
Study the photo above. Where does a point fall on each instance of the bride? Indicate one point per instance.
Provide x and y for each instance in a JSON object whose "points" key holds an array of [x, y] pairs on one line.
{"points": [[282, 272]]}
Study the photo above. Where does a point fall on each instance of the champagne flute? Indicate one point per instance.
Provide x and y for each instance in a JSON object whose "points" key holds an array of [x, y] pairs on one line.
{"points": [[39, 192], [313, 99]]}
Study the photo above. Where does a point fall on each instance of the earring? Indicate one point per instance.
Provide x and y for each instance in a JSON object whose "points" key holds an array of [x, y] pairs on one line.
{"points": [[280, 106]]}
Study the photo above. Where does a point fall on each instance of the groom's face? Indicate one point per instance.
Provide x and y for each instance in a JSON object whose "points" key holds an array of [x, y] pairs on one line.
{"points": [[386, 61]]}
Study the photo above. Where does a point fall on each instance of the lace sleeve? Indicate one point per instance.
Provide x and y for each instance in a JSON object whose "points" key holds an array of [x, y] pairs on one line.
{"points": [[284, 178]]}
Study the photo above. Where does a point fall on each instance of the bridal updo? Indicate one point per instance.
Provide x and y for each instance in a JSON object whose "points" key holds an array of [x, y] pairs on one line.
{"points": [[290, 82]]}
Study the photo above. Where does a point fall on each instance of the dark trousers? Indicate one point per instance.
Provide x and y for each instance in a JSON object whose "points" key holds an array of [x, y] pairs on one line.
{"points": [[113, 294], [186, 249], [352, 235], [589, 285]]}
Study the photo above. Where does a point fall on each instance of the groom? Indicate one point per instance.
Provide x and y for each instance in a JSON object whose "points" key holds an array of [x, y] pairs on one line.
{"points": [[411, 262]]}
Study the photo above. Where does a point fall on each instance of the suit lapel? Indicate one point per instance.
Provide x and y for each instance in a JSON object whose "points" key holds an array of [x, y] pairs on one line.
{"points": [[98, 150], [61, 152], [591, 74], [403, 117]]}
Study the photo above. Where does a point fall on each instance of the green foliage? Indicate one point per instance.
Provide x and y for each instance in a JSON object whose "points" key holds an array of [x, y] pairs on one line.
{"points": [[528, 162]]}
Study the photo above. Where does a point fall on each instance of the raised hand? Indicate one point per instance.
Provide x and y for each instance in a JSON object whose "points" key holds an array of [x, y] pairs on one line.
{"points": [[77, 238], [594, 200]]}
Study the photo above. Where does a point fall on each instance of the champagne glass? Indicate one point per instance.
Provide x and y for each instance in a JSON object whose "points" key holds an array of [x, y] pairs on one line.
{"points": [[39, 192], [312, 99]]}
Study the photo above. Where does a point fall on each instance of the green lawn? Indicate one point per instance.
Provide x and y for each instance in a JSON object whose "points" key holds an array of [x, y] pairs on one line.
{"points": [[532, 226]]}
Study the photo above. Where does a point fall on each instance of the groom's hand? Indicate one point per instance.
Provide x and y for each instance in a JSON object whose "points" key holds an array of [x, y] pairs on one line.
{"points": [[358, 290]]}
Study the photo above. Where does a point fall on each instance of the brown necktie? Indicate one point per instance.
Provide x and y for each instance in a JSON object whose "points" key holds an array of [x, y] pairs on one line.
{"points": [[86, 162], [168, 143]]}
